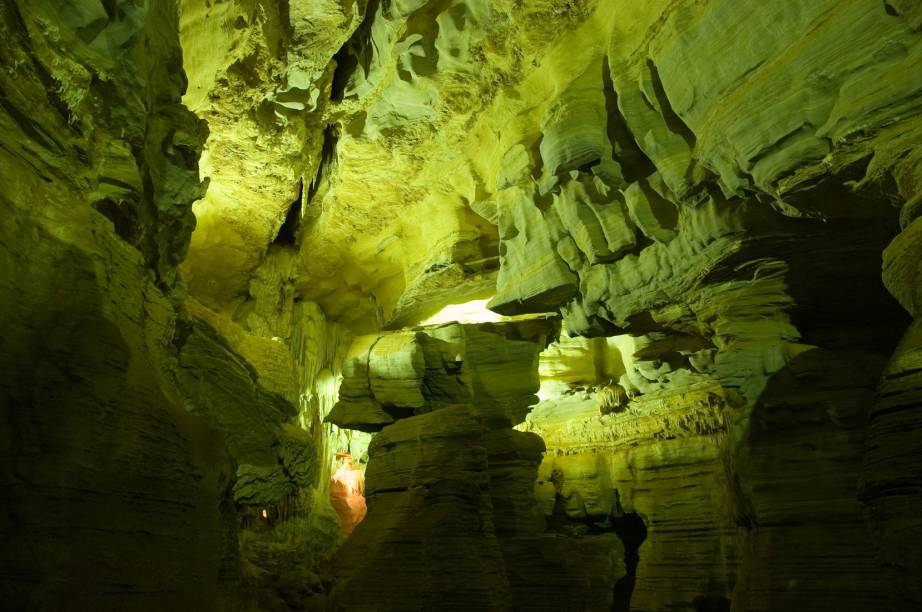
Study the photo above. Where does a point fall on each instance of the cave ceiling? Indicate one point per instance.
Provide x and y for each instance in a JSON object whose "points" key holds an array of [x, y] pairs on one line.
{"points": [[364, 113], [375, 156]]}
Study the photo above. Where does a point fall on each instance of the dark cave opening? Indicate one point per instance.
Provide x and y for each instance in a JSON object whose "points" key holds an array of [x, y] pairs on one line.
{"points": [[632, 531], [288, 232]]}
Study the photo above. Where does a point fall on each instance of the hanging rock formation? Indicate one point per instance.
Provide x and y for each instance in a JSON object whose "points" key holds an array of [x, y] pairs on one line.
{"points": [[242, 238], [394, 374]]}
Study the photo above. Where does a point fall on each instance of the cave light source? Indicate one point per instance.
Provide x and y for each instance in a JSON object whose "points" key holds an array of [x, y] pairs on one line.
{"points": [[347, 493], [475, 311]]}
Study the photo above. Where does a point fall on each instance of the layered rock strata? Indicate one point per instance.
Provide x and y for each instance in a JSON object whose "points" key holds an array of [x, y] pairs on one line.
{"points": [[703, 190], [391, 375], [890, 481], [741, 457], [452, 521], [637, 201], [141, 432], [114, 496]]}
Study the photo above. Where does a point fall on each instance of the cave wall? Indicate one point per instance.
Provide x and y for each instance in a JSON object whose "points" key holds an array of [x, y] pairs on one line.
{"points": [[452, 520], [113, 494], [708, 189], [752, 275], [721, 199], [141, 432], [260, 75], [889, 485]]}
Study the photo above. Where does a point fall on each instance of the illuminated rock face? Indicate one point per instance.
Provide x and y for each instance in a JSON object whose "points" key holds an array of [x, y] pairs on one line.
{"points": [[398, 374], [347, 494], [222, 219], [715, 215], [452, 520]]}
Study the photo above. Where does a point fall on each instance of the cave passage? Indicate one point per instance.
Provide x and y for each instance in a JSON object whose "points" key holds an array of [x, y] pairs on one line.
{"points": [[461, 305]]}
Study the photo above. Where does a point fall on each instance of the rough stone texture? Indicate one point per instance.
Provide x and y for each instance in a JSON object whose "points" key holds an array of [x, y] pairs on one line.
{"points": [[132, 420], [452, 524], [428, 541], [773, 159], [704, 190], [740, 449], [396, 374], [114, 497], [260, 74], [452, 520], [890, 485], [347, 494], [397, 138], [91, 95], [256, 391]]}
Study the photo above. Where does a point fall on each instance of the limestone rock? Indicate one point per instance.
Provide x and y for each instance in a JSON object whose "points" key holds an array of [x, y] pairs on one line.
{"points": [[574, 130], [653, 214], [902, 273], [890, 475], [395, 370], [260, 76], [541, 581], [703, 191], [260, 485], [596, 223], [347, 495], [114, 496], [532, 276], [513, 458], [889, 483], [428, 503], [383, 376], [451, 512], [136, 161], [222, 387], [699, 392], [399, 374], [503, 359], [660, 134]]}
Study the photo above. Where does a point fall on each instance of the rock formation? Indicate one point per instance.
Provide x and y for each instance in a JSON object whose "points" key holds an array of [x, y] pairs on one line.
{"points": [[612, 305], [452, 520]]}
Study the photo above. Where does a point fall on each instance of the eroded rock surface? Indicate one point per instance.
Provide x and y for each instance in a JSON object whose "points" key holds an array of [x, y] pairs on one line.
{"points": [[720, 200], [139, 429], [396, 374], [114, 497], [452, 520]]}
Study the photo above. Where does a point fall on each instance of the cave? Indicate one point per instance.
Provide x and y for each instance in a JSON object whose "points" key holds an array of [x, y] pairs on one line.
{"points": [[474, 305]]}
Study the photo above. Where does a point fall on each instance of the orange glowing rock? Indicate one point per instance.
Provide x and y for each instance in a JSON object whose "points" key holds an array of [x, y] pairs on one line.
{"points": [[347, 494]]}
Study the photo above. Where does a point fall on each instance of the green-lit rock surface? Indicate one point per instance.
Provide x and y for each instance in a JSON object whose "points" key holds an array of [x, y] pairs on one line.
{"points": [[244, 242], [400, 374]]}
